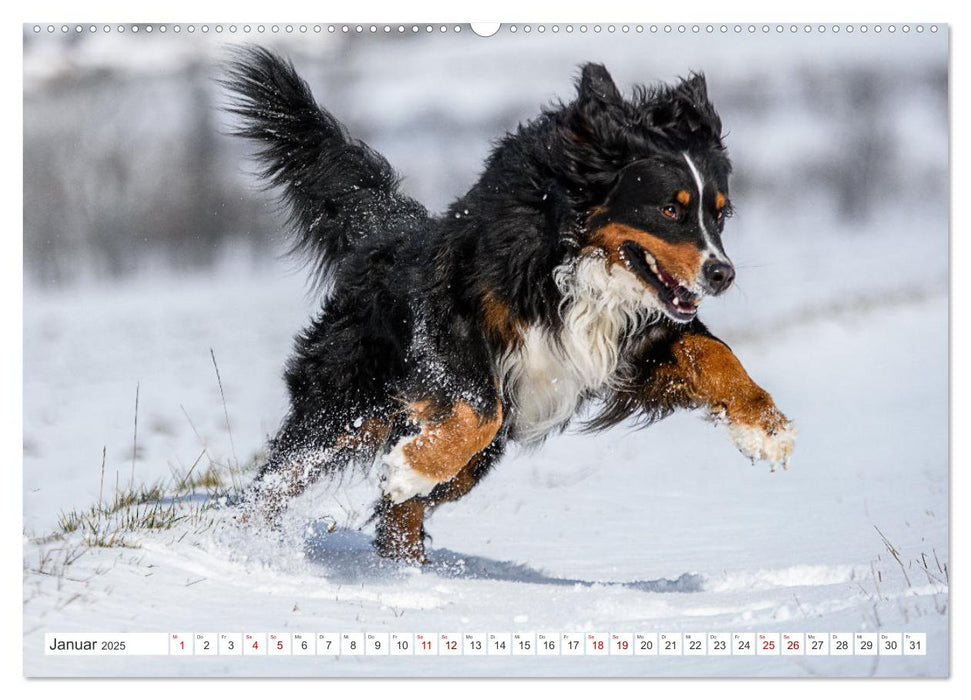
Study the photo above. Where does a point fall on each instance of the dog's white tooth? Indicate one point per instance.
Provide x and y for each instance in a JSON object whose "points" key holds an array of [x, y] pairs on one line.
{"points": [[648, 257]]}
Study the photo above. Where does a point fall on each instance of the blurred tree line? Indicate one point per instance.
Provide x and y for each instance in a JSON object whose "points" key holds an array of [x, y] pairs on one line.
{"points": [[129, 169], [121, 172]]}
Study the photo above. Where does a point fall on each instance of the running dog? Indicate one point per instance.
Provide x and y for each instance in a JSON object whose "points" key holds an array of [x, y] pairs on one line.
{"points": [[570, 273]]}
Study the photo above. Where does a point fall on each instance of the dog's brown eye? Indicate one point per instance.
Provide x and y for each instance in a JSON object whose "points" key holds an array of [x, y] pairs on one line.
{"points": [[671, 211]]}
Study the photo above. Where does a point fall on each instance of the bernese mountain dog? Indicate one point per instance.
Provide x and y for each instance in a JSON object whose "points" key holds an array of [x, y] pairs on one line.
{"points": [[569, 275]]}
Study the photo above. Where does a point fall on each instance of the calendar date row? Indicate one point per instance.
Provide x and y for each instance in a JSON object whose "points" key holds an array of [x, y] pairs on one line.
{"points": [[489, 644]]}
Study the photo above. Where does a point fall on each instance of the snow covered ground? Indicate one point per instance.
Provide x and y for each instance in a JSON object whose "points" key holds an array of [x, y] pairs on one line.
{"points": [[843, 320], [666, 529]]}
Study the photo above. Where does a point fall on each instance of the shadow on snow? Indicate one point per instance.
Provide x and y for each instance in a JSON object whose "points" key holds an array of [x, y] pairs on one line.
{"points": [[346, 556]]}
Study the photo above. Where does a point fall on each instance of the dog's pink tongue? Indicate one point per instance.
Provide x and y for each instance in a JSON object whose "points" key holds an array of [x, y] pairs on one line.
{"points": [[683, 294], [666, 278]]}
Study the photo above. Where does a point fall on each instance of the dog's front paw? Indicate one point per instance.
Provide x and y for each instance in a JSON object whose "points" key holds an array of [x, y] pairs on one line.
{"points": [[770, 438]]}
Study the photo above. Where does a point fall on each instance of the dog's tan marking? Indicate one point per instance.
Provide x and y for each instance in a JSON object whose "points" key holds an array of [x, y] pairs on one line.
{"points": [[720, 200], [499, 322], [683, 196], [683, 260], [459, 485], [446, 444], [400, 533], [707, 373]]}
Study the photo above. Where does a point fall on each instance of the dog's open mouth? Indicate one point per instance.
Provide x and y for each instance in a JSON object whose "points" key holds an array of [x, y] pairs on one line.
{"points": [[680, 303]]}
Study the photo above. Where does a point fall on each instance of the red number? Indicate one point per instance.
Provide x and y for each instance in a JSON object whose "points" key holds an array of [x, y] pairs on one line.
{"points": [[768, 645], [256, 645]]}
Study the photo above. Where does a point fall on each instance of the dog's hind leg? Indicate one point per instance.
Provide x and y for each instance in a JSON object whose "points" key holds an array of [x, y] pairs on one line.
{"points": [[296, 462], [444, 442], [279, 480], [400, 531], [470, 475], [439, 458]]}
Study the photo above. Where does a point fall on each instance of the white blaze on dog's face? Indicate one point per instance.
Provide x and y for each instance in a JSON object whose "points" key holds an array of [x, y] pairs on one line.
{"points": [[662, 222]]}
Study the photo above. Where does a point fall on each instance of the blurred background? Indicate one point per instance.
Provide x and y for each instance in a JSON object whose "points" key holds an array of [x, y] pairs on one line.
{"points": [[126, 166], [151, 252]]}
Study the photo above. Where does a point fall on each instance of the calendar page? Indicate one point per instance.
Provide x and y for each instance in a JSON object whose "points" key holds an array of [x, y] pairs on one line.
{"points": [[514, 350]]}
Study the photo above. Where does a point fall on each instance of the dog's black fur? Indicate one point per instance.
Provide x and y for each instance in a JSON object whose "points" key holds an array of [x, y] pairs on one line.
{"points": [[410, 313]]}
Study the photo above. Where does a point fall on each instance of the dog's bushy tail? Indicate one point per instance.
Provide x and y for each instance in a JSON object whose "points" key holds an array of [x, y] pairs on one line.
{"points": [[335, 189]]}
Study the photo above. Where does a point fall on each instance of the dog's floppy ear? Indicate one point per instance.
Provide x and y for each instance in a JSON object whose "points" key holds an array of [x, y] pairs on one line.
{"points": [[596, 84]]}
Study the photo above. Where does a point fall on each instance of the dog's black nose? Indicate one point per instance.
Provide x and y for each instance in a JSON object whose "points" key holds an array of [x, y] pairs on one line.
{"points": [[718, 275]]}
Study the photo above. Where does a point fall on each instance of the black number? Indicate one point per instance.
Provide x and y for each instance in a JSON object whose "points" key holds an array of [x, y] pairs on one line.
{"points": [[720, 645], [842, 645]]}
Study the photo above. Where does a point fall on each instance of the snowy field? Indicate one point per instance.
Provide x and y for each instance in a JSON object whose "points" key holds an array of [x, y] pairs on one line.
{"points": [[667, 529], [579, 536]]}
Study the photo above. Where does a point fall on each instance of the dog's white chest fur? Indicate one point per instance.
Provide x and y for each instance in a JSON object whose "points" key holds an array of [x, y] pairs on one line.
{"points": [[548, 375]]}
